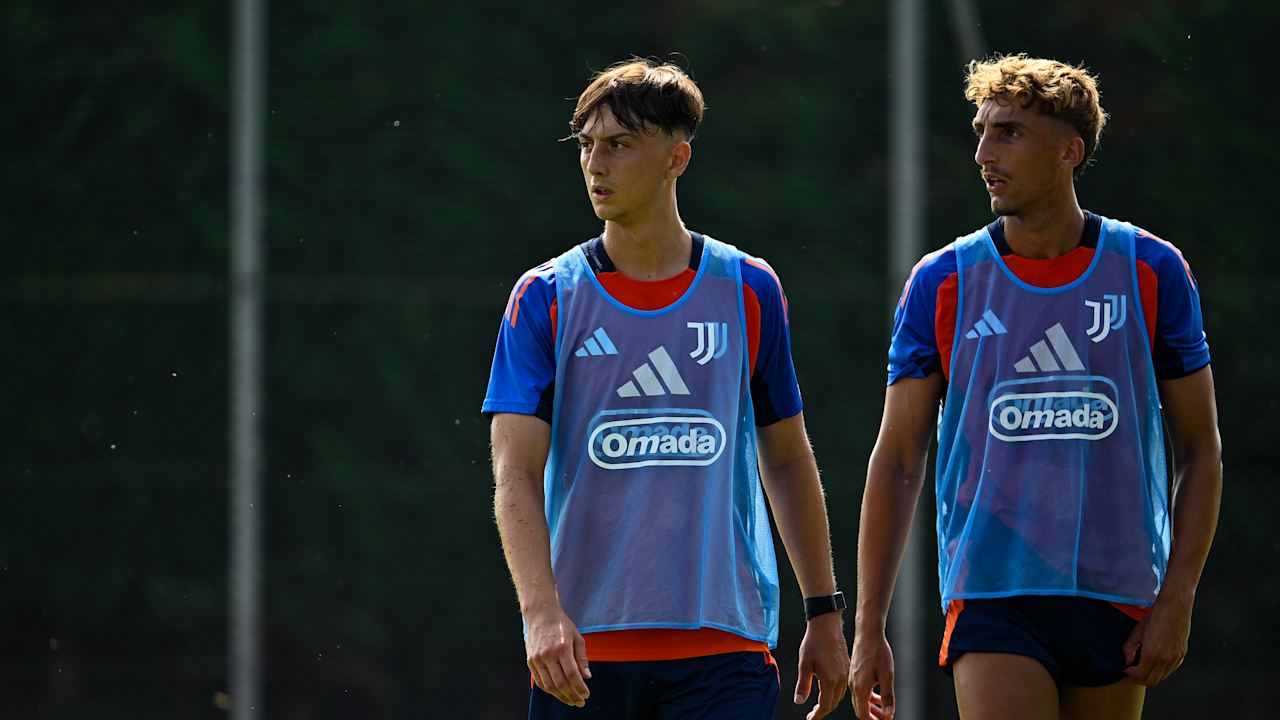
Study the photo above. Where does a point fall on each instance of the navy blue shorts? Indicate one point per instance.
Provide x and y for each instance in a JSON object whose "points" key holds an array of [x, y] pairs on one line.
{"points": [[732, 686], [1080, 641]]}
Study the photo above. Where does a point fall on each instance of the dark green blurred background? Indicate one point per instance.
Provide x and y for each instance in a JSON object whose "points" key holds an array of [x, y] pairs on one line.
{"points": [[413, 174]]}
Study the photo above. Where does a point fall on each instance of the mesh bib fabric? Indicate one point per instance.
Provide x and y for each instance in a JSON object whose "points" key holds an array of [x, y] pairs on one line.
{"points": [[653, 500], [1051, 475]]}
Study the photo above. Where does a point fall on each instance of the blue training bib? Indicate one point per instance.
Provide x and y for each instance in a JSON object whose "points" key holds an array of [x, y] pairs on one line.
{"points": [[1051, 475], [653, 500]]}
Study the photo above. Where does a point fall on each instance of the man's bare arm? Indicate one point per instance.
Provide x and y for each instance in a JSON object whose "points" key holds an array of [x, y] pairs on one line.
{"points": [[895, 475], [790, 476], [1160, 640], [555, 651]]}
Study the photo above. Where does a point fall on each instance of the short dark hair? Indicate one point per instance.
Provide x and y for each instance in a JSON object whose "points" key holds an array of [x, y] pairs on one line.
{"points": [[645, 96]]}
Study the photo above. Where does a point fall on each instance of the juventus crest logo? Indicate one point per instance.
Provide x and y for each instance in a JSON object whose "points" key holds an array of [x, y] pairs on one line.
{"points": [[1108, 314], [713, 340]]}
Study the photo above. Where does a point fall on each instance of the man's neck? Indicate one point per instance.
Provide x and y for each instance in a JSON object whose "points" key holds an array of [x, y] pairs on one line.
{"points": [[1045, 234], [655, 251]]}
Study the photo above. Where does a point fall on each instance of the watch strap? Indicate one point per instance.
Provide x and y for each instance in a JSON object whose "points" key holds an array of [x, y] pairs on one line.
{"points": [[823, 604]]}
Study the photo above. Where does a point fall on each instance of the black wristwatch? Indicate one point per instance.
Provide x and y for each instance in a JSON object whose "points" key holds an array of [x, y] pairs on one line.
{"points": [[815, 606]]}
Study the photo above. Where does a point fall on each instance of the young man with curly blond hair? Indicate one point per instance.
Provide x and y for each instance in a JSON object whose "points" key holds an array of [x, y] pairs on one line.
{"points": [[642, 393], [1053, 338]]}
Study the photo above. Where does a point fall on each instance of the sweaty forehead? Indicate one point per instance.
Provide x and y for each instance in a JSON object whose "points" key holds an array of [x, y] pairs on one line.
{"points": [[1002, 108]]}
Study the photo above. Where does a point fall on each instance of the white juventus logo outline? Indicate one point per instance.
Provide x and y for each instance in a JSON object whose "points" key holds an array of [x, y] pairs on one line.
{"points": [[714, 336], [648, 381], [1104, 315], [1042, 358]]}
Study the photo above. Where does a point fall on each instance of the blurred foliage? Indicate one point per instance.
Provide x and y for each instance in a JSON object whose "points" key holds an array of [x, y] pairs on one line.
{"points": [[413, 175]]}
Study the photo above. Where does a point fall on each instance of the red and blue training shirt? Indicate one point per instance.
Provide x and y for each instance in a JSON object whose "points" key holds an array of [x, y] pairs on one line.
{"points": [[925, 319], [925, 325], [522, 381]]}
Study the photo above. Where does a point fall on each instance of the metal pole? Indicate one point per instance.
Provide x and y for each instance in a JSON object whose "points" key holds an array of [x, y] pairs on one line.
{"points": [[967, 29], [907, 203], [247, 405]]}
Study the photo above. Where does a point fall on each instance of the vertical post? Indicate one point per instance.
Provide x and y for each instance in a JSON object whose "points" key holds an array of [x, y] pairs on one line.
{"points": [[967, 29], [247, 405], [908, 211]]}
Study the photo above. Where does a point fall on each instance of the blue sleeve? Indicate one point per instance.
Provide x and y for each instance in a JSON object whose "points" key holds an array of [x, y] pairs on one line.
{"points": [[775, 392], [913, 347], [1181, 347], [522, 378]]}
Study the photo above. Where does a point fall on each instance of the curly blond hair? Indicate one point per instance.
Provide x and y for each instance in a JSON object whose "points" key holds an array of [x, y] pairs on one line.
{"points": [[1062, 91]]}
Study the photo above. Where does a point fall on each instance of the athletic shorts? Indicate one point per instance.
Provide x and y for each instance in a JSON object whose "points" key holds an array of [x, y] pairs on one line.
{"points": [[1080, 641], [732, 686]]}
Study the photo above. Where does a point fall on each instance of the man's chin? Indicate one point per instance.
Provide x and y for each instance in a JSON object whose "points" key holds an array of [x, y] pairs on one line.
{"points": [[611, 214]]}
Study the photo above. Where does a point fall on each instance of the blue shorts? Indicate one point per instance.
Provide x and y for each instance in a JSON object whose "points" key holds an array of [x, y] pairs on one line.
{"points": [[732, 686], [1080, 641]]}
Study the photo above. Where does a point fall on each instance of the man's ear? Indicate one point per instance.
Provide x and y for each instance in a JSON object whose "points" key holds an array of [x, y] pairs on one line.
{"points": [[1073, 154], [680, 154]]}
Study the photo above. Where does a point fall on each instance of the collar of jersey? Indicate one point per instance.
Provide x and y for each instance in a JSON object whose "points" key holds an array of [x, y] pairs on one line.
{"points": [[693, 286], [1004, 267]]}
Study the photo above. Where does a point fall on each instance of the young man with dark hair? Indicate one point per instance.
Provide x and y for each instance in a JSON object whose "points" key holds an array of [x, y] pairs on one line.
{"points": [[1054, 338], [641, 392]]}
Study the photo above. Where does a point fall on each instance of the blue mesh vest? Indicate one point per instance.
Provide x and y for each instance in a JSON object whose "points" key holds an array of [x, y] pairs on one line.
{"points": [[653, 500], [1051, 474]]}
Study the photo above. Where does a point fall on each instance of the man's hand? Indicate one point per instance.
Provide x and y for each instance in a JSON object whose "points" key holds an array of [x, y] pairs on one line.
{"points": [[871, 666], [1158, 644], [557, 656], [823, 653]]}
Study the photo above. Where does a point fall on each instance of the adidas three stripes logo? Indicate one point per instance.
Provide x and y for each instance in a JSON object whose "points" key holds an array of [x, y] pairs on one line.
{"points": [[1052, 354], [598, 344], [1042, 359], [648, 381], [989, 325], [657, 377]]}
